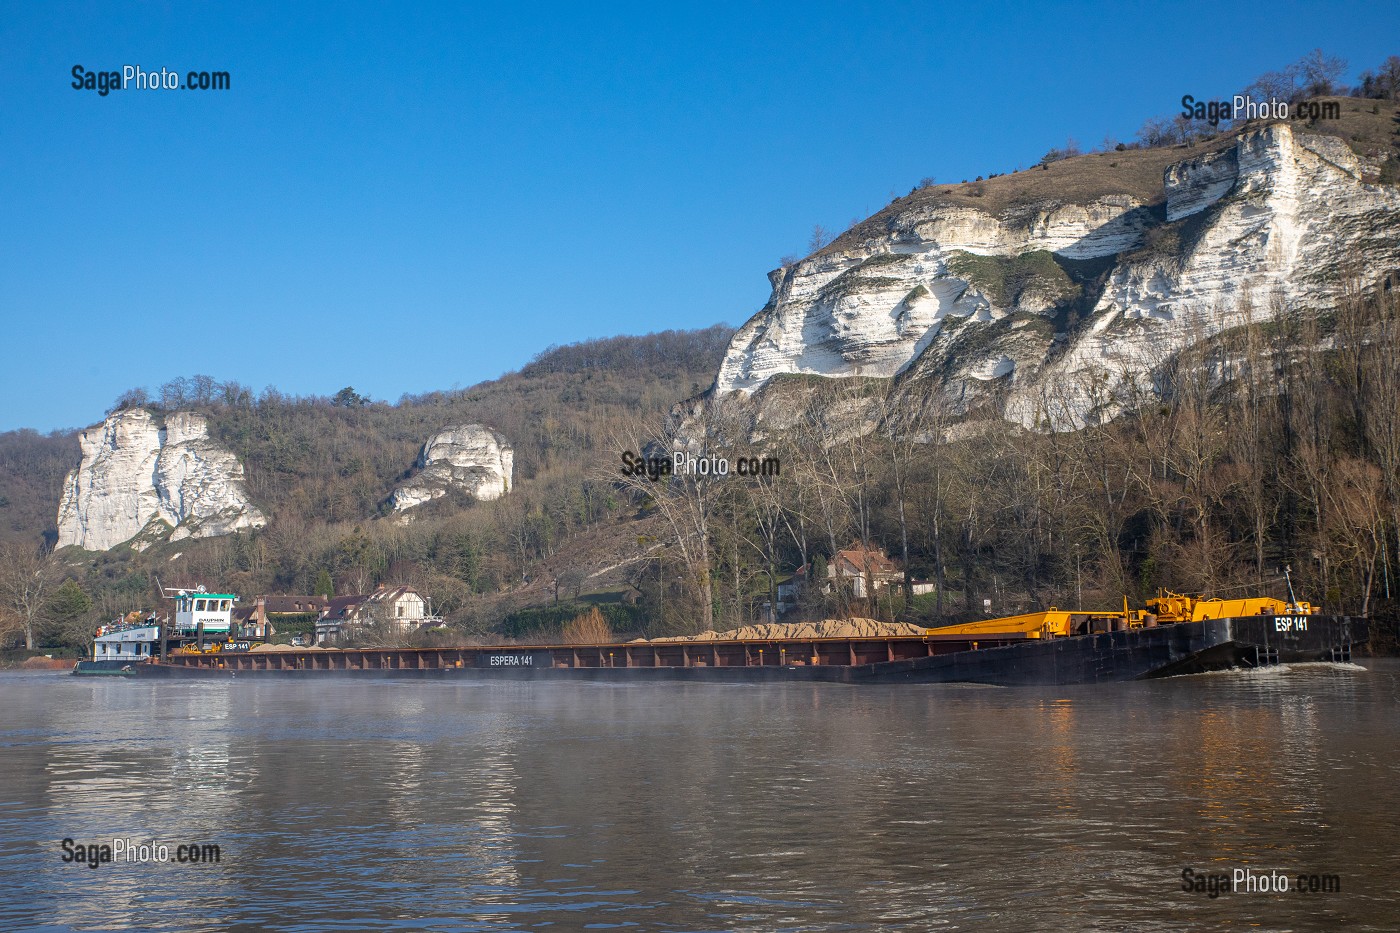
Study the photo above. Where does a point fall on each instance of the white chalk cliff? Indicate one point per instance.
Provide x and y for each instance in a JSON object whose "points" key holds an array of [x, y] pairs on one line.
{"points": [[466, 457], [139, 479], [1275, 219]]}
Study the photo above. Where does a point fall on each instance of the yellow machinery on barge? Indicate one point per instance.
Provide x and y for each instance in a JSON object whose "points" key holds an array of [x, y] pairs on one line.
{"points": [[1166, 609]]}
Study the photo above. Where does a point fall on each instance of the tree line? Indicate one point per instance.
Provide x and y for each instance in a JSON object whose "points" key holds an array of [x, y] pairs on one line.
{"points": [[1316, 74], [322, 469], [1274, 445]]}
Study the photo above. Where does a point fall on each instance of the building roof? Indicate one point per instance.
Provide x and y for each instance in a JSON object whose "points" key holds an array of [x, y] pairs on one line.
{"points": [[341, 606], [392, 595], [346, 608], [290, 605], [862, 561]]}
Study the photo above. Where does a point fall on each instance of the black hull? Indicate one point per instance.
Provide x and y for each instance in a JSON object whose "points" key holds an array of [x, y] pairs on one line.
{"points": [[108, 668], [1135, 654]]}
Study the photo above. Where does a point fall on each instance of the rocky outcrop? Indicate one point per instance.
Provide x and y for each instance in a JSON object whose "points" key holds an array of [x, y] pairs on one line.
{"points": [[876, 307], [467, 457], [1037, 300], [142, 481]]}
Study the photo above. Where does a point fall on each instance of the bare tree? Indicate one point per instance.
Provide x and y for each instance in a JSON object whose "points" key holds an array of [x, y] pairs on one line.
{"points": [[1155, 131], [1308, 440], [1108, 471], [1200, 445], [27, 578], [1320, 73], [376, 629], [911, 422], [1384, 82], [768, 498], [1278, 85], [1251, 437], [131, 398], [1356, 496], [1368, 333], [821, 471], [686, 501], [861, 410], [930, 496], [1184, 129]]}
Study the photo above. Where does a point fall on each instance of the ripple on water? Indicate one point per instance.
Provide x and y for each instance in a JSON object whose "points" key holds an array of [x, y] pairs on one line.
{"points": [[351, 806]]}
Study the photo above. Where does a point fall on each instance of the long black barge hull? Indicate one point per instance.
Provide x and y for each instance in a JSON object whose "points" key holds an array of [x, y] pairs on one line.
{"points": [[1135, 654]]}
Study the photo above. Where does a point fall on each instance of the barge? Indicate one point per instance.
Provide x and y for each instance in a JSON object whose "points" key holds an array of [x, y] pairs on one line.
{"points": [[1176, 635]]}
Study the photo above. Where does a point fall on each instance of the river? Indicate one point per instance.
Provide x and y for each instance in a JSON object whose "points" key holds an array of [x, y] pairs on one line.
{"points": [[347, 804]]}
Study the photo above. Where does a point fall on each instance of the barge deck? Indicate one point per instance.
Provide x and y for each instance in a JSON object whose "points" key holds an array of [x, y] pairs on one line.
{"points": [[1003, 659]]}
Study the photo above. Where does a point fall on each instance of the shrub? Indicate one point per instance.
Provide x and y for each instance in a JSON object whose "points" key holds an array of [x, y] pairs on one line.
{"points": [[587, 628]]}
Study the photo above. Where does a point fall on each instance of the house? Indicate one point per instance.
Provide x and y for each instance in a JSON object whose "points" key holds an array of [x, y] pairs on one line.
{"points": [[401, 608], [788, 593], [791, 589], [850, 567], [854, 565], [258, 620]]}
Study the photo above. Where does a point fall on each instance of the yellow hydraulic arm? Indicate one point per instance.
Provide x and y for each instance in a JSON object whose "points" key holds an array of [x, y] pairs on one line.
{"points": [[1174, 607], [1165, 609], [1053, 623]]}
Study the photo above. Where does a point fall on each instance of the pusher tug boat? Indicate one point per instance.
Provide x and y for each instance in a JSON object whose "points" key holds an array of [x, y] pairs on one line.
{"points": [[203, 622]]}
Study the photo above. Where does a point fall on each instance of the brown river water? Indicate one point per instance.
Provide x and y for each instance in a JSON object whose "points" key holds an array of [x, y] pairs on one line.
{"points": [[347, 804]]}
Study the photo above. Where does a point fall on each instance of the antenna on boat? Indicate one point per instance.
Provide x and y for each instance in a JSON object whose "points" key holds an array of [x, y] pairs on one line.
{"points": [[175, 592]]}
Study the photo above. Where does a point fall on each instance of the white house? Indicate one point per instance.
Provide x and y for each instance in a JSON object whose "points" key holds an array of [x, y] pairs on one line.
{"points": [[402, 608]]}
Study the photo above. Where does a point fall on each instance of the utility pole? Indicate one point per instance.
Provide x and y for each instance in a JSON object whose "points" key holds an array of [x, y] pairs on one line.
{"points": [[1078, 577]]}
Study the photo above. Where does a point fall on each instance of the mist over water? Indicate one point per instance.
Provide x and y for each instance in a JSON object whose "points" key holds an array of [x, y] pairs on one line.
{"points": [[369, 805]]}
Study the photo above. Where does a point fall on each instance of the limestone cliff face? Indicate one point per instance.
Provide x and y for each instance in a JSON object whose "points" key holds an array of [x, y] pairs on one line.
{"points": [[467, 457], [140, 480], [1037, 297]]}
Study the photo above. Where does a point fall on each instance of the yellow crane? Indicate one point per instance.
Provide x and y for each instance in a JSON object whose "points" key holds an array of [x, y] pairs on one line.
{"points": [[1166, 609]]}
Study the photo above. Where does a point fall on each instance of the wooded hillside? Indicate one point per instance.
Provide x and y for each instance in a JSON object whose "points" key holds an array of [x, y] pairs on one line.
{"points": [[322, 469]]}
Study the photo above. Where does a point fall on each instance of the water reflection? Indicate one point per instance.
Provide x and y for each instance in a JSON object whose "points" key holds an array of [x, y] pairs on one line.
{"points": [[460, 806]]}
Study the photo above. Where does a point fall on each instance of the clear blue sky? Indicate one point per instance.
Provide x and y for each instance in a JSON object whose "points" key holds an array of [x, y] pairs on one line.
{"points": [[406, 197]]}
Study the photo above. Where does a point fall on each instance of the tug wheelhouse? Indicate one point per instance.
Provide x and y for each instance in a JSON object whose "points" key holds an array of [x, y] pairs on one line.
{"points": [[197, 611]]}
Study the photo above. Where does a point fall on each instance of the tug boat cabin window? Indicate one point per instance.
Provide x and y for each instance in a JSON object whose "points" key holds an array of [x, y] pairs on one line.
{"points": [[213, 611]]}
